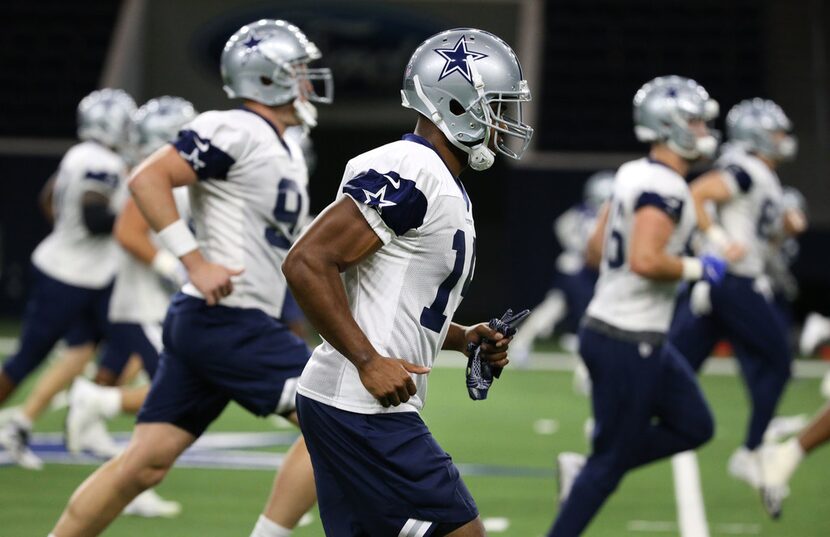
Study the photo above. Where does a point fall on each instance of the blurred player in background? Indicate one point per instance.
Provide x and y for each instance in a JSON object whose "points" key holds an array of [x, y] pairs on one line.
{"points": [[74, 266], [646, 401], [147, 277], [223, 337], [380, 274], [779, 462], [782, 254], [573, 284], [747, 192]]}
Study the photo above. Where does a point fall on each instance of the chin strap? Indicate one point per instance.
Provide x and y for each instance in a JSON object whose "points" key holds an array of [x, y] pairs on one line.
{"points": [[307, 114], [479, 157]]}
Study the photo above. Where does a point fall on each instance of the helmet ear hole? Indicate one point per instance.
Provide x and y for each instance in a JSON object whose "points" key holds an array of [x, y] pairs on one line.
{"points": [[265, 81], [456, 107]]}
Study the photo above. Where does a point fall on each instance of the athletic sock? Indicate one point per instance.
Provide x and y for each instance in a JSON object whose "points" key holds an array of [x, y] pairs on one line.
{"points": [[21, 420], [268, 528], [793, 450], [109, 400]]}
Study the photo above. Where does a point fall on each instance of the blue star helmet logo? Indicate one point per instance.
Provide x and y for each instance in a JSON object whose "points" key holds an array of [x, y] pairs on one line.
{"points": [[456, 58], [672, 92], [252, 41]]}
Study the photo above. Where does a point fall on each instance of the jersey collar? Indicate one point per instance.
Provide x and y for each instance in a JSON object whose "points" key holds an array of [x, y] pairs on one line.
{"points": [[412, 137], [273, 127]]}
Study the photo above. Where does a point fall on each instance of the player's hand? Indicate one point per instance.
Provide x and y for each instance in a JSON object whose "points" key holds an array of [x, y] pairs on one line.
{"points": [[494, 349], [714, 269], [212, 280], [388, 379], [734, 251]]}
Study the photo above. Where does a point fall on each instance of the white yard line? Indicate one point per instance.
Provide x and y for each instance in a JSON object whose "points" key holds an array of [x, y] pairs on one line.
{"points": [[691, 515]]}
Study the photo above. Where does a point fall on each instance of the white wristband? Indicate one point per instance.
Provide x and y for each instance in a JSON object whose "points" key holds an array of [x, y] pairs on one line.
{"points": [[165, 264], [718, 237], [692, 269], [178, 239]]}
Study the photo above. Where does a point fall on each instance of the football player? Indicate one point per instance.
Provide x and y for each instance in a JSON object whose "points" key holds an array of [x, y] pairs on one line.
{"points": [[779, 462], [747, 192], [380, 274], [142, 290], [74, 265], [223, 337], [146, 279], [574, 282], [646, 402]]}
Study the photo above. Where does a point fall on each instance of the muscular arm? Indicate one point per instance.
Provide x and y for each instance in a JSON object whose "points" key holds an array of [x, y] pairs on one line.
{"points": [[593, 251], [455, 340], [132, 232], [152, 186], [647, 253], [795, 222], [712, 187], [338, 239]]}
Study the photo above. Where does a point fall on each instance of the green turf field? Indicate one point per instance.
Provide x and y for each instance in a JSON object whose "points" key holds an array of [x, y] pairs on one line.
{"points": [[518, 482]]}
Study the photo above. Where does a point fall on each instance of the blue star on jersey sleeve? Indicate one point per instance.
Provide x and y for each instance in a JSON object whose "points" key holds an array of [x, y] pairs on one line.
{"points": [[207, 160], [398, 201], [672, 206]]}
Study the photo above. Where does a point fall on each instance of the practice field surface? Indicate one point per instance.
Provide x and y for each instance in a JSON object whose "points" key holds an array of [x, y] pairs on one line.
{"points": [[506, 447]]}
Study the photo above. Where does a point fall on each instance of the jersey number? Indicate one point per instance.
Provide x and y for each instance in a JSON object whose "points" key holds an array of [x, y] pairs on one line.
{"points": [[767, 219], [615, 244], [286, 211], [434, 317]]}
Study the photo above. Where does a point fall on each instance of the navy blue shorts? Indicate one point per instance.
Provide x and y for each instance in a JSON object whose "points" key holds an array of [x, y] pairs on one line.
{"points": [[215, 354], [83, 331], [742, 315], [126, 339], [291, 311], [381, 475], [53, 311]]}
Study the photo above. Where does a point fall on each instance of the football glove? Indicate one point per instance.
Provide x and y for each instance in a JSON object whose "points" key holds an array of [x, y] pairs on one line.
{"points": [[480, 374]]}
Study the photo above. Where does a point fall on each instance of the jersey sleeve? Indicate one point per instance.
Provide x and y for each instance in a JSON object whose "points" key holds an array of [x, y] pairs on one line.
{"points": [[737, 179], [665, 196], [211, 146], [392, 205], [100, 171], [101, 180]]}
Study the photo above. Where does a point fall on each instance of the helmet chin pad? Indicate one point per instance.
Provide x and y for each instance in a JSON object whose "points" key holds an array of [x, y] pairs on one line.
{"points": [[306, 113], [480, 157]]}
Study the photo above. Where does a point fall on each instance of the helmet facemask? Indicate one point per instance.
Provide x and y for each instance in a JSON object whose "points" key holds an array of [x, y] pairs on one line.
{"points": [[503, 114]]}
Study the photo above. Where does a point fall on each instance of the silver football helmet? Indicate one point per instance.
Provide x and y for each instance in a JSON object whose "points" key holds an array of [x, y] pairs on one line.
{"points": [[105, 116], [757, 124], [267, 61], [598, 188], [663, 109], [158, 121], [469, 84]]}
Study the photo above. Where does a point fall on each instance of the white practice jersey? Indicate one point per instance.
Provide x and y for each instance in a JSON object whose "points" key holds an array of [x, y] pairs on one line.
{"points": [[573, 228], [752, 217], [251, 194], [140, 295], [70, 253], [404, 296], [622, 298]]}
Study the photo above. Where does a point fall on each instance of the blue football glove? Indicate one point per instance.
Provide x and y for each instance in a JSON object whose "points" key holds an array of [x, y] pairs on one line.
{"points": [[714, 269], [480, 374]]}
